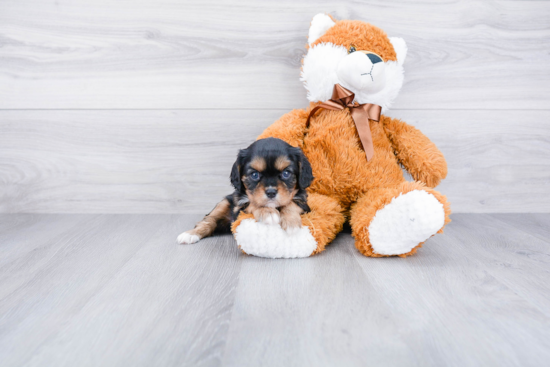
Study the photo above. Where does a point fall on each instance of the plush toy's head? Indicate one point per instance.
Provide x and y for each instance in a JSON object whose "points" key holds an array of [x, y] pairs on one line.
{"points": [[355, 54]]}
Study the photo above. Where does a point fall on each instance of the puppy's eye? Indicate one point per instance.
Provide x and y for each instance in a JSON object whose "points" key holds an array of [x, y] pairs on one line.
{"points": [[285, 175], [351, 49], [255, 176]]}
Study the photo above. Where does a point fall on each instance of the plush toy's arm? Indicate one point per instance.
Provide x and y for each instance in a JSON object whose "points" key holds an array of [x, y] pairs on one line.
{"points": [[416, 152], [291, 127]]}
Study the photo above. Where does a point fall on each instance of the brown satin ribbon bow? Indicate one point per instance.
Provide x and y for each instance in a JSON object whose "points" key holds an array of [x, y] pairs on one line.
{"points": [[361, 114]]}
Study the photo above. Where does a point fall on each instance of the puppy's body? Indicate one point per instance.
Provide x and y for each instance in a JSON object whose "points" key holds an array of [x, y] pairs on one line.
{"points": [[270, 178]]}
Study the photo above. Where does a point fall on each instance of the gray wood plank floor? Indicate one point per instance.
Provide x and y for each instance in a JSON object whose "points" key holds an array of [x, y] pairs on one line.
{"points": [[115, 290]]}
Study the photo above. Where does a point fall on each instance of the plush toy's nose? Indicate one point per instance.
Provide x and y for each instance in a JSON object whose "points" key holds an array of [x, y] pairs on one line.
{"points": [[374, 58], [362, 71]]}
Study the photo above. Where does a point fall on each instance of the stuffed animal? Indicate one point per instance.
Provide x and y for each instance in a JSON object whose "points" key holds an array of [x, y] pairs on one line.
{"points": [[352, 72]]}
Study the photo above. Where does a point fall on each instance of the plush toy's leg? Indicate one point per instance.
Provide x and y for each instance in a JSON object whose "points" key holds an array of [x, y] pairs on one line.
{"points": [[325, 220], [396, 221], [319, 227]]}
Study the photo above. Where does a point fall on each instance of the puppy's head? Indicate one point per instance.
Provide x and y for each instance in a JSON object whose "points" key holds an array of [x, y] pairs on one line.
{"points": [[271, 172]]}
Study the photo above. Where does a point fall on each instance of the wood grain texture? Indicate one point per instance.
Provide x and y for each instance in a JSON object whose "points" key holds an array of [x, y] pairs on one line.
{"points": [[497, 160], [116, 290], [27, 238], [537, 225], [176, 161], [516, 258], [466, 315], [119, 279], [121, 161], [323, 305], [213, 54]]}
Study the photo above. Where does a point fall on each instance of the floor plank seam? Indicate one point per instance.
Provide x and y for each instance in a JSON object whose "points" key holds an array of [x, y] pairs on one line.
{"points": [[512, 289], [547, 240], [230, 319]]}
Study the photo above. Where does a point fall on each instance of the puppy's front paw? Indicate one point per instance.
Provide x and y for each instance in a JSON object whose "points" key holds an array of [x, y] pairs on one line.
{"points": [[267, 216], [291, 229], [188, 238], [291, 222]]}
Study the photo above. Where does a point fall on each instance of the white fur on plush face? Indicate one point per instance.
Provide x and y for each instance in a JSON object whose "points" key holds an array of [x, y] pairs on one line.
{"points": [[357, 71], [400, 48], [319, 74], [319, 71]]}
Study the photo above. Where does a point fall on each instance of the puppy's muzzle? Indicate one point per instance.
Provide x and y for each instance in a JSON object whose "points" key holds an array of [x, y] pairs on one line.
{"points": [[271, 193]]}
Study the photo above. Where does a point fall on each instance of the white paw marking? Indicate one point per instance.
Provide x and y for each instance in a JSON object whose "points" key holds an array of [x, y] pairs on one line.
{"points": [[271, 219], [187, 238], [274, 242], [408, 220]]}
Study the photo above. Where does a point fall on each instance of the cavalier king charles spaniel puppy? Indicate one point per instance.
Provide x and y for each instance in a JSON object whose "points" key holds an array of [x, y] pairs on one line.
{"points": [[270, 179]]}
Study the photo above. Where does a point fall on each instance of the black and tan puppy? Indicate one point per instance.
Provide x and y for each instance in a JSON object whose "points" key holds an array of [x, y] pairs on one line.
{"points": [[270, 179]]}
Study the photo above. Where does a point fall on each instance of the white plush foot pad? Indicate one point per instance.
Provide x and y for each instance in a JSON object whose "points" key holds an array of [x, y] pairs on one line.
{"points": [[270, 240], [408, 220]]}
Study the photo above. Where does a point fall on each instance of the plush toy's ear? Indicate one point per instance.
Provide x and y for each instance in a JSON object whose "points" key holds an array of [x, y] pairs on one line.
{"points": [[400, 48], [236, 170], [319, 25]]}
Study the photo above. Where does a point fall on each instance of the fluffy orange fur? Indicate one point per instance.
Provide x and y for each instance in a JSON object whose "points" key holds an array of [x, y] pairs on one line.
{"points": [[346, 185], [366, 207], [363, 36], [325, 220]]}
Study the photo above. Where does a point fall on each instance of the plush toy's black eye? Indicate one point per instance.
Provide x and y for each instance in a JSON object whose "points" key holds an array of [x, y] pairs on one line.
{"points": [[351, 49], [285, 175], [255, 176]]}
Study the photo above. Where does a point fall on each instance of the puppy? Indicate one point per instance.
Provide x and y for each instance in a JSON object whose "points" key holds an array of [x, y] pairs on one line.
{"points": [[270, 179]]}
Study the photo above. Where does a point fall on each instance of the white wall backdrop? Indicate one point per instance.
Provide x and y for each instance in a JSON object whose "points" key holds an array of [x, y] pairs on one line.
{"points": [[140, 106]]}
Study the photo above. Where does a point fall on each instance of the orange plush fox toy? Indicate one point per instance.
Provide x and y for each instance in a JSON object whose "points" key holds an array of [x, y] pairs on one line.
{"points": [[351, 69]]}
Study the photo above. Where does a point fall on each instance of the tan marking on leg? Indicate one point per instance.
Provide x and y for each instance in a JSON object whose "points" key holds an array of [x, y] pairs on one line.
{"points": [[282, 162], [207, 226], [258, 163], [290, 216]]}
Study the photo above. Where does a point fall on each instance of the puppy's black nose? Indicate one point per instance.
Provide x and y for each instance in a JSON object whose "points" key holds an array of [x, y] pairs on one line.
{"points": [[271, 193]]}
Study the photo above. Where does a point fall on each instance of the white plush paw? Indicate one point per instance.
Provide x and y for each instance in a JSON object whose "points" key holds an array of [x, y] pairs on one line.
{"points": [[187, 238], [259, 239], [293, 230], [408, 220]]}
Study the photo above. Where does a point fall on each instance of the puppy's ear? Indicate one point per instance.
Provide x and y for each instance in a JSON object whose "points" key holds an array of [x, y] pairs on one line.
{"points": [[237, 168], [235, 176], [305, 175]]}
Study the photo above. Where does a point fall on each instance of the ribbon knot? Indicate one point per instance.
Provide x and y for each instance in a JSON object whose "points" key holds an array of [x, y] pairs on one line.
{"points": [[361, 114]]}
